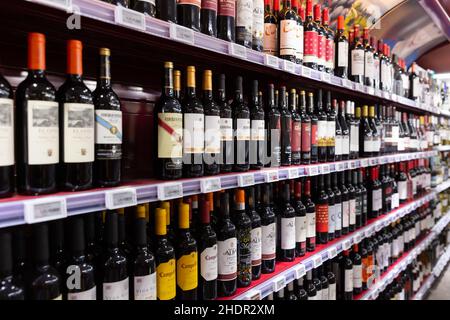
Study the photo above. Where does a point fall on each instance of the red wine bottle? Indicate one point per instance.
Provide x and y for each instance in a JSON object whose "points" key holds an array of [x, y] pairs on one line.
{"points": [[286, 129], [321, 202], [208, 16], [369, 67], [188, 12], [345, 203], [147, 7], [6, 139], [314, 128], [357, 270], [347, 276], [268, 232], [212, 127], [226, 20], [244, 22], [287, 227], [331, 208], [10, 288], [296, 128], [311, 41], [329, 42], [374, 194], [341, 54], [241, 121], [310, 216], [273, 129], [288, 32], [258, 25], [305, 130], [226, 128], [321, 38], [322, 128], [257, 128], [167, 10], [357, 58], [300, 221], [337, 205], [270, 39], [256, 233]]}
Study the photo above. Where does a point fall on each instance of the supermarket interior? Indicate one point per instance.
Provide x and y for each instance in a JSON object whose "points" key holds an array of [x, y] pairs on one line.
{"points": [[225, 150]]}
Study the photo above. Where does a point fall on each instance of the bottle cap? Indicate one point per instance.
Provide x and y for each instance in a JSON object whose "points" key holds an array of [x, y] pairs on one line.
{"points": [[160, 223], [325, 16], [167, 64], [36, 51], [74, 57], [317, 12], [183, 216], [205, 212], [107, 52], [340, 23], [166, 206], [140, 211]]}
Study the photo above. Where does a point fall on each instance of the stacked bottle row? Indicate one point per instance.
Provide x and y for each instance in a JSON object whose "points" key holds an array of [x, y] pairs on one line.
{"points": [[439, 166], [206, 135]]}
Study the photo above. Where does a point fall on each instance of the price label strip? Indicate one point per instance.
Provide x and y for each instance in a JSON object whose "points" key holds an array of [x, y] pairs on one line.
{"points": [[299, 270], [317, 261], [271, 176], [237, 50], [326, 77], [210, 185], [289, 66], [346, 245], [253, 294], [246, 180], [181, 34], [347, 83], [120, 198], [271, 61], [45, 209], [168, 191], [306, 72], [339, 166], [293, 173], [129, 18], [325, 169], [60, 4], [332, 252], [279, 283], [313, 170]]}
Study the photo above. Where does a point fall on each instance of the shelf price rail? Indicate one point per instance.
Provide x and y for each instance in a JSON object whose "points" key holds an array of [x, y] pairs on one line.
{"points": [[131, 19]]}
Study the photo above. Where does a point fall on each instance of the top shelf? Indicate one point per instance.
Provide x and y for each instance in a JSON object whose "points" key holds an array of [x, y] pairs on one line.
{"points": [[174, 38]]}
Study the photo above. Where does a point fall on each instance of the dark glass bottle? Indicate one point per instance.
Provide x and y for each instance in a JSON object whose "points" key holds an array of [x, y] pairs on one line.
{"points": [[188, 13], [208, 17], [341, 52], [347, 276], [331, 277], [296, 128], [317, 283], [301, 292], [244, 18], [226, 20], [358, 199], [331, 208], [323, 282], [10, 288], [257, 134], [376, 138], [241, 123], [286, 227], [339, 136], [310, 216], [36, 155], [345, 198], [414, 84], [351, 201], [167, 10], [20, 261], [147, 7], [300, 220], [337, 206], [290, 294], [286, 129], [345, 132], [329, 42], [311, 54], [58, 257], [7, 139], [357, 270], [352, 116], [226, 128], [124, 245], [374, 192], [322, 128], [314, 129], [386, 192], [369, 67], [305, 130], [331, 128], [357, 58], [288, 32], [273, 129], [270, 39], [256, 244], [321, 38], [365, 134], [108, 121], [268, 232], [310, 287], [321, 201]]}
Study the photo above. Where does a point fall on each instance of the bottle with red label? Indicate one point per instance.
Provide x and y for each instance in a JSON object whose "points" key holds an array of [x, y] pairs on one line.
{"points": [[288, 32], [270, 39], [299, 35], [296, 128], [310, 58], [305, 130], [226, 20], [321, 39], [208, 17], [357, 58], [329, 42], [321, 202], [189, 13], [341, 52]]}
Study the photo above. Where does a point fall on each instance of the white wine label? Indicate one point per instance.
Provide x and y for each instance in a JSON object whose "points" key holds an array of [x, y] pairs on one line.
{"points": [[194, 130], [338, 149], [208, 263], [145, 287], [244, 14], [332, 291], [79, 133], [255, 248], [354, 138], [268, 241], [116, 290], [243, 129], [299, 41], [345, 145], [368, 65], [343, 54], [258, 21], [345, 214], [170, 135], [395, 200], [288, 37], [43, 132], [227, 252], [310, 224], [352, 209], [322, 133], [357, 276], [212, 134], [226, 129], [90, 294], [300, 229], [338, 217], [348, 282], [257, 131], [108, 126], [270, 40], [357, 62], [6, 132]]}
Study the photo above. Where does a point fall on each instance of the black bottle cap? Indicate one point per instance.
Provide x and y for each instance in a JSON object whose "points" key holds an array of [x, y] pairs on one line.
{"points": [[250, 192], [239, 84], [89, 227], [255, 88], [224, 204], [266, 194], [222, 81], [76, 235], [57, 235], [111, 229], [140, 234], [5, 253], [286, 193], [40, 243]]}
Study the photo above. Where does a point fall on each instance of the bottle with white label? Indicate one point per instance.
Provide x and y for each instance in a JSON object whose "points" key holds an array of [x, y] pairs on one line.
{"points": [[357, 270], [242, 125], [347, 276], [37, 125], [357, 57], [268, 232], [108, 127], [226, 128], [341, 51], [76, 125], [300, 221], [300, 31], [270, 40], [244, 22], [288, 22], [258, 25], [286, 227], [6, 138], [257, 134], [353, 125], [255, 235]]}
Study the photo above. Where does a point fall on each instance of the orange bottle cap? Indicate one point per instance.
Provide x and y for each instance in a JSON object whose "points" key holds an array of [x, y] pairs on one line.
{"points": [[74, 57], [36, 51]]}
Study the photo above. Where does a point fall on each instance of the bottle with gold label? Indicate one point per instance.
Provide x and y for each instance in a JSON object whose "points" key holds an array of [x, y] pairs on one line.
{"points": [[169, 129], [186, 252], [165, 259]]}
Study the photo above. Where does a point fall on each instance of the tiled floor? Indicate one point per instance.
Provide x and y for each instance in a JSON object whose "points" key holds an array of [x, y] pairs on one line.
{"points": [[441, 291]]}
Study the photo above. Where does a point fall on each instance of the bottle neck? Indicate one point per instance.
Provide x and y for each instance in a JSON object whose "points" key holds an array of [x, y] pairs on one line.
{"points": [[168, 82], [104, 78]]}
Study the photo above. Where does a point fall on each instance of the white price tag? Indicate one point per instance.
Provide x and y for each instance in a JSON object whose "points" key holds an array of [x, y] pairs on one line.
{"points": [[279, 283], [289, 66], [339, 166], [353, 164], [379, 226], [167, 191], [271, 61], [364, 163], [332, 252], [237, 50], [357, 237], [317, 261], [394, 98], [373, 161], [325, 169], [129, 18], [326, 77], [346, 165], [210, 185], [383, 160], [181, 33], [293, 173], [299, 270], [45, 209], [346, 245], [271, 176], [359, 87], [370, 90], [120, 198], [369, 232], [253, 294], [347, 83], [312, 171], [306, 72], [246, 180], [60, 4]]}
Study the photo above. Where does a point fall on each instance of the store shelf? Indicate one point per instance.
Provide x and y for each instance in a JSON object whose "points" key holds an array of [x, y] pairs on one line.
{"points": [[442, 187], [178, 35], [401, 264], [443, 148], [286, 272], [13, 211], [444, 112]]}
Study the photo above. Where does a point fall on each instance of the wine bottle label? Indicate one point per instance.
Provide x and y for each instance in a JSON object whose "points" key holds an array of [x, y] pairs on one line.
{"points": [[376, 199], [376, 70], [368, 142], [212, 134], [311, 47], [257, 131], [170, 135], [43, 132], [357, 62], [244, 254], [116, 290], [187, 271], [227, 8], [332, 291], [322, 133], [145, 287], [268, 241], [90, 294], [306, 137], [79, 133], [331, 218], [352, 208], [6, 132], [208, 263], [243, 129], [319, 295], [226, 129], [258, 22], [329, 53], [384, 73], [165, 280], [401, 144], [310, 224], [338, 217], [300, 229], [368, 65], [354, 138], [345, 144], [58, 297], [357, 276], [270, 40], [345, 214], [338, 148], [322, 218], [405, 82], [314, 134], [299, 42], [358, 206], [348, 282], [193, 135], [244, 20], [296, 136], [227, 253], [343, 54], [209, 5], [153, 2], [321, 44], [196, 3], [288, 37], [416, 87], [331, 134], [395, 200], [287, 233], [108, 126], [255, 248]]}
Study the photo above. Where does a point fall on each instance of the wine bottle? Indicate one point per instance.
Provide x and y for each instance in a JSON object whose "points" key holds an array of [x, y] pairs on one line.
{"points": [[7, 139], [368, 59], [300, 221], [194, 128], [244, 22], [165, 259], [352, 201], [37, 154], [322, 128], [286, 227], [10, 288], [243, 233], [331, 129], [353, 124], [226, 20], [338, 133], [188, 12], [286, 129], [345, 204], [310, 287], [208, 16], [288, 32], [347, 276], [314, 129], [212, 127], [170, 233], [329, 42], [358, 199], [176, 84], [296, 128], [147, 7], [270, 39], [227, 250], [331, 208], [376, 141], [311, 40], [187, 262], [376, 63], [321, 38], [305, 131], [92, 243], [341, 53], [299, 42], [365, 134], [345, 132], [310, 216], [357, 56], [124, 245], [167, 10], [241, 121], [324, 283], [317, 284], [226, 128], [321, 202], [258, 25], [357, 270], [257, 129], [76, 125], [268, 232], [108, 127], [337, 206], [364, 200], [58, 254], [256, 234], [273, 129], [414, 82], [301, 292], [374, 194], [44, 282]]}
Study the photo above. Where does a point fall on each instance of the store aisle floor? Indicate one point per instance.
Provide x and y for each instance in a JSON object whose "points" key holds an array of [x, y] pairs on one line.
{"points": [[441, 291]]}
